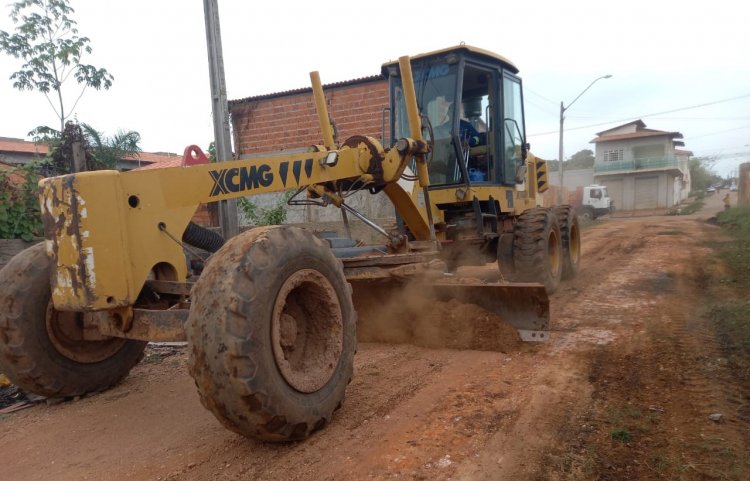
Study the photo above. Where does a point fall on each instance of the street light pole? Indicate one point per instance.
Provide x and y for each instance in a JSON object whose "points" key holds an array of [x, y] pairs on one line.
{"points": [[562, 120]]}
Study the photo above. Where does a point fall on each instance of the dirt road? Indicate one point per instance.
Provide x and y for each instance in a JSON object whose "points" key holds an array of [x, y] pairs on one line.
{"points": [[623, 390]]}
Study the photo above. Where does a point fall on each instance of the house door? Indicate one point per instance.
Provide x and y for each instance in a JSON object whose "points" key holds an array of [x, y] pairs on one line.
{"points": [[646, 193]]}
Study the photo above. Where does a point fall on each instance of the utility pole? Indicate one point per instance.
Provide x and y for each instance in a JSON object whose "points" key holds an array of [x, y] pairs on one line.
{"points": [[222, 138], [562, 119], [560, 156]]}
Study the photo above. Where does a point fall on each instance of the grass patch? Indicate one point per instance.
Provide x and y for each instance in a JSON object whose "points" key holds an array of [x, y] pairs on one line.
{"points": [[622, 435], [725, 463], [737, 221], [691, 208], [627, 420], [670, 232], [732, 318], [156, 357]]}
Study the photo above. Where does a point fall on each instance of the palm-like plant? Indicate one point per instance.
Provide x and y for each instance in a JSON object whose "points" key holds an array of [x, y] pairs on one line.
{"points": [[106, 152]]}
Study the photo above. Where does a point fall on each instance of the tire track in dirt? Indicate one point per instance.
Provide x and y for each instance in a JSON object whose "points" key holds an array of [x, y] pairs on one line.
{"points": [[623, 341], [656, 383]]}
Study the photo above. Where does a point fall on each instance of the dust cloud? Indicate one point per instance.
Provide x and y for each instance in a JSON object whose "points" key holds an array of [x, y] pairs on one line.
{"points": [[412, 313]]}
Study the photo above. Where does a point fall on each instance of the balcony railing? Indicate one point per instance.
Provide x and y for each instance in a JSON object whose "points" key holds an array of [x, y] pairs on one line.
{"points": [[650, 163]]}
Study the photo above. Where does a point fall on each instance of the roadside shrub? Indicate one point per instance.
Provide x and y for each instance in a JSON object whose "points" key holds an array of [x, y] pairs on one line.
{"points": [[20, 216]]}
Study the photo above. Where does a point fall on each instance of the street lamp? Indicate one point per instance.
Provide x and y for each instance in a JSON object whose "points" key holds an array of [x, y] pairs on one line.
{"points": [[562, 118]]}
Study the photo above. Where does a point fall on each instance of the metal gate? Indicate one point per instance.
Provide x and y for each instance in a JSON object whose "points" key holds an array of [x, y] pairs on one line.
{"points": [[646, 193]]}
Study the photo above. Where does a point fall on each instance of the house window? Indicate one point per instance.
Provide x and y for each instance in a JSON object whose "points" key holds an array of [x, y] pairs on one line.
{"points": [[612, 155]]}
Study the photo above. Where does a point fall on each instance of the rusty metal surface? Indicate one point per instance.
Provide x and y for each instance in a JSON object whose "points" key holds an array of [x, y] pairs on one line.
{"points": [[61, 206], [147, 325], [389, 259], [170, 287], [433, 269]]}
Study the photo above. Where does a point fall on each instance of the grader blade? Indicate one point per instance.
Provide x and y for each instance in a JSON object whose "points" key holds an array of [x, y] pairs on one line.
{"points": [[523, 306], [447, 312]]}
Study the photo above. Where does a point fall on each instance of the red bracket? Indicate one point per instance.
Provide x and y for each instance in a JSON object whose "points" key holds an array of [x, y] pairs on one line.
{"points": [[193, 156]]}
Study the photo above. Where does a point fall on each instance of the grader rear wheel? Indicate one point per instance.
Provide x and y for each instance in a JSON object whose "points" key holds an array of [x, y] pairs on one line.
{"points": [[41, 349], [537, 248], [571, 240], [271, 334]]}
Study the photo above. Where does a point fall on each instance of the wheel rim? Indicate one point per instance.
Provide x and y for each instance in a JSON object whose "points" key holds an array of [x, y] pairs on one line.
{"points": [[553, 254], [65, 330], [307, 330]]}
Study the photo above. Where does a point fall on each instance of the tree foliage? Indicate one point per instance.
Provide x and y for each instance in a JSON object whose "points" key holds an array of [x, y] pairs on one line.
{"points": [[102, 152], [20, 217], [701, 175], [105, 151], [46, 40], [583, 159], [275, 215]]}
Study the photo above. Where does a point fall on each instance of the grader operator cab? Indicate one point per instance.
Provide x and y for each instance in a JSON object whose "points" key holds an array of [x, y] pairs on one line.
{"points": [[484, 182], [270, 323]]}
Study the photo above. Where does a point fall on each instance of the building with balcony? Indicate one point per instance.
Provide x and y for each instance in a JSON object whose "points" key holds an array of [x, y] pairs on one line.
{"points": [[642, 168]]}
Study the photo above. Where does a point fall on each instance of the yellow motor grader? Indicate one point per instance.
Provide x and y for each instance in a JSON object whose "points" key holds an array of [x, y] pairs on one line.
{"points": [[270, 322]]}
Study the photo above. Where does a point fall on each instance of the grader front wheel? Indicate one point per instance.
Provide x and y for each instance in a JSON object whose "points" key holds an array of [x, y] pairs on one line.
{"points": [[271, 334], [41, 349], [537, 248], [570, 234]]}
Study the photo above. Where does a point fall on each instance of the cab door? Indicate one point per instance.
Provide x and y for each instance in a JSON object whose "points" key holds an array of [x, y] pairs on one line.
{"points": [[513, 130]]}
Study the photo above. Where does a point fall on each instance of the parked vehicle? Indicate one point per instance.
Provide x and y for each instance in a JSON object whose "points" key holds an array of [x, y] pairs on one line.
{"points": [[592, 201]]}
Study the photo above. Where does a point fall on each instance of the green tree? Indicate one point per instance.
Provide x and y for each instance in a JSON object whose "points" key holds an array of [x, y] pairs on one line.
{"points": [[275, 215], [583, 159], [106, 152], [19, 207], [701, 176], [101, 152], [46, 40]]}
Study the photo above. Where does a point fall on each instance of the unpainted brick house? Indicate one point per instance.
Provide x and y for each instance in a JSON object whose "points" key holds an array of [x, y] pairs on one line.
{"points": [[287, 121]]}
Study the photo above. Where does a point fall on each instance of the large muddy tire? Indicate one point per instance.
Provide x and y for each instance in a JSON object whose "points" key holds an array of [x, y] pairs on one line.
{"points": [[272, 334], [570, 234], [537, 248], [41, 349]]}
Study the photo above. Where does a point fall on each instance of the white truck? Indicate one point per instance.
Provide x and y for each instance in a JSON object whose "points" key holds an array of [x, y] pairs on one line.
{"points": [[595, 202]]}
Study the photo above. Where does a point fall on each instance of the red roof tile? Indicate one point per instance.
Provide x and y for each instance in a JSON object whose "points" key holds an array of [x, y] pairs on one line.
{"points": [[636, 135], [639, 124], [163, 164], [153, 157], [14, 179], [8, 144]]}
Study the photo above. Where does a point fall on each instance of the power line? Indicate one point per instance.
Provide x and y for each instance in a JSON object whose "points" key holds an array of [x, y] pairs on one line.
{"points": [[718, 132], [541, 108], [647, 115], [526, 89]]}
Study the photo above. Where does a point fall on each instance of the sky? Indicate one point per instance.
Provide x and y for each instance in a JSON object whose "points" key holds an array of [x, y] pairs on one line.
{"points": [[678, 66]]}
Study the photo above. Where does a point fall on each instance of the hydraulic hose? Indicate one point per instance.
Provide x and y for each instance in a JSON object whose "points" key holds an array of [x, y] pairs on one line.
{"points": [[202, 238]]}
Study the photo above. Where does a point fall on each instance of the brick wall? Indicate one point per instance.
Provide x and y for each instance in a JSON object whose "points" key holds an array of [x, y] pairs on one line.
{"points": [[288, 120]]}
